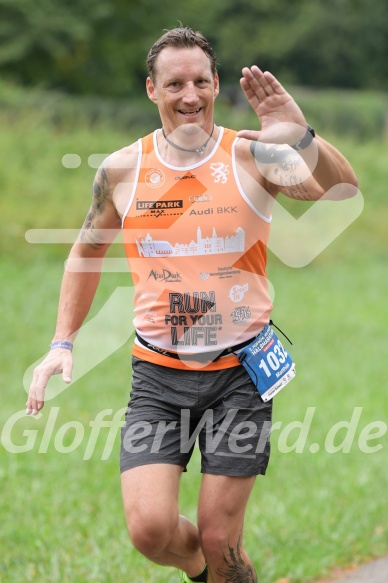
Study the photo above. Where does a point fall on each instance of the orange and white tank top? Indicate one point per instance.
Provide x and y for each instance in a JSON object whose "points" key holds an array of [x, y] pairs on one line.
{"points": [[196, 248]]}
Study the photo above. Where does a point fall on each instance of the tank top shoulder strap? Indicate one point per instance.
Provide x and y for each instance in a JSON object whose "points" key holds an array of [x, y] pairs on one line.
{"points": [[148, 143], [228, 139]]}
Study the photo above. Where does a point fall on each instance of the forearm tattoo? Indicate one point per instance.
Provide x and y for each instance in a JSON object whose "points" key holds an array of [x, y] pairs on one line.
{"points": [[235, 569], [101, 194], [288, 179], [285, 164]]}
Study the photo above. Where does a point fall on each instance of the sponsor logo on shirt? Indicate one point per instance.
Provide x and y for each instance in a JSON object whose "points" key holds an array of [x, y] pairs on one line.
{"points": [[215, 210], [241, 314], [221, 273], [158, 204], [200, 198], [154, 178], [237, 292], [186, 177], [165, 275], [158, 208]]}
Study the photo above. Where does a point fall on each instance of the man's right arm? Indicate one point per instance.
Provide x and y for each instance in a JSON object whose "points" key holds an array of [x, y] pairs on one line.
{"points": [[79, 285]]}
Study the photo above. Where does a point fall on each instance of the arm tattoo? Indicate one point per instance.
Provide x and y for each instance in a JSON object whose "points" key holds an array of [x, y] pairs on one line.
{"points": [[287, 162], [289, 180], [101, 194], [234, 569]]}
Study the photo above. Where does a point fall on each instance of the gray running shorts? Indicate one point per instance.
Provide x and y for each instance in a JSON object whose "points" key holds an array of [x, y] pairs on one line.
{"points": [[170, 409]]}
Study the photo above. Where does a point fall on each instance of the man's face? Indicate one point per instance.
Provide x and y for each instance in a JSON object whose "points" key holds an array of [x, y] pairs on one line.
{"points": [[184, 88]]}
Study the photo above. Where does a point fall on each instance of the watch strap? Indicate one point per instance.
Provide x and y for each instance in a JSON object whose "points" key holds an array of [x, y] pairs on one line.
{"points": [[306, 140]]}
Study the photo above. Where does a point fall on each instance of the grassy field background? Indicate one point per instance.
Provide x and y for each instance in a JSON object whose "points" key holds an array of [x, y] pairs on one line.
{"points": [[62, 518]]}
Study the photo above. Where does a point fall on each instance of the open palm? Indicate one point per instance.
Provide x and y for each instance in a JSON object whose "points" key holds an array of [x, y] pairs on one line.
{"points": [[282, 120]]}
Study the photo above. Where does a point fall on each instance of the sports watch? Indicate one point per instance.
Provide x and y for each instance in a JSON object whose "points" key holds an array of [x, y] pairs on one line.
{"points": [[306, 140]]}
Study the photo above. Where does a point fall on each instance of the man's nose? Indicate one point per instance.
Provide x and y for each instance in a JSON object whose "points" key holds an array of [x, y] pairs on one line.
{"points": [[191, 94]]}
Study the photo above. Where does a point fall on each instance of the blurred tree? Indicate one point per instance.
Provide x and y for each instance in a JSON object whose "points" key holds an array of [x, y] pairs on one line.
{"points": [[48, 41], [340, 43], [100, 46], [345, 44], [251, 32], [86, 46], [125, 37]]}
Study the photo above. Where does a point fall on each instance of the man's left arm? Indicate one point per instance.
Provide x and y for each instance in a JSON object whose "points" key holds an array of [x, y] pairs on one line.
{"points": [[332, 168], [288, 154]]}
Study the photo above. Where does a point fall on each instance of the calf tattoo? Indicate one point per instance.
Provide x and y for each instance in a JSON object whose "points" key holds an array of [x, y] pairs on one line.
{"points": [[235, 569]]}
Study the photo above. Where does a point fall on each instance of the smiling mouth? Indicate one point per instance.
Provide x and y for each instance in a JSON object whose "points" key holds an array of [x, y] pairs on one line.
{"points": [[190, 112]]}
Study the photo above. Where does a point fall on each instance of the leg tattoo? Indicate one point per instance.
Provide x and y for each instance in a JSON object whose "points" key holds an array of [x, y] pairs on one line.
{"points": [[235, 569]]}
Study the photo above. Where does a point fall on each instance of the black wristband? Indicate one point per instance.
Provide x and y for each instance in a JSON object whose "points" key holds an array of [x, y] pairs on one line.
{"points": [[306, 140]]}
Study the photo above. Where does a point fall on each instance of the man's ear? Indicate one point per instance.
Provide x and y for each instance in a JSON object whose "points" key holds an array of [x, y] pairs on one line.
{"points": [[216, 85], [151, 91]]}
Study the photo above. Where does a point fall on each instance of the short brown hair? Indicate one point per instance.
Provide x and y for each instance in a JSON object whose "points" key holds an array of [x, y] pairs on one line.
{"points": [[182, 37]]}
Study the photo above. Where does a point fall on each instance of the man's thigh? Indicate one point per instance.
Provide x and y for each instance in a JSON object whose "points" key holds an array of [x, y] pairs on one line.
{"points": [[223, 499], [150, 492]]}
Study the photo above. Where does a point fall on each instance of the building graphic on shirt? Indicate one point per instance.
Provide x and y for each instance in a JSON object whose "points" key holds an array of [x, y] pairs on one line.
{"points": [[147, 247]]}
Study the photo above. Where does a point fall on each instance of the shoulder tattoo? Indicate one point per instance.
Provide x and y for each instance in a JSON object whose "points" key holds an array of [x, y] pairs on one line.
{"points": [[101, 193]]}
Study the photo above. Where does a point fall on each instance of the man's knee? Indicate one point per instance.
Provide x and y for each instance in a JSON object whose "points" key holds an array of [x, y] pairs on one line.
{"points": [[213, 540], [151, 534], [150, 496]]}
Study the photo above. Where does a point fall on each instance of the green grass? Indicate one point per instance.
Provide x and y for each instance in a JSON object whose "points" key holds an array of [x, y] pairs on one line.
{"points": [[62, 517]]}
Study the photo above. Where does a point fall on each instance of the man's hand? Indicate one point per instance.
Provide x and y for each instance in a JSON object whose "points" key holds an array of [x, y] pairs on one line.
{"points": [[59, 360], [282, 121]]}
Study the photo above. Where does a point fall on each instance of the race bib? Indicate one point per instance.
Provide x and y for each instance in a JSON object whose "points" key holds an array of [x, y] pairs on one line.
{"points": [[268, 364]]}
